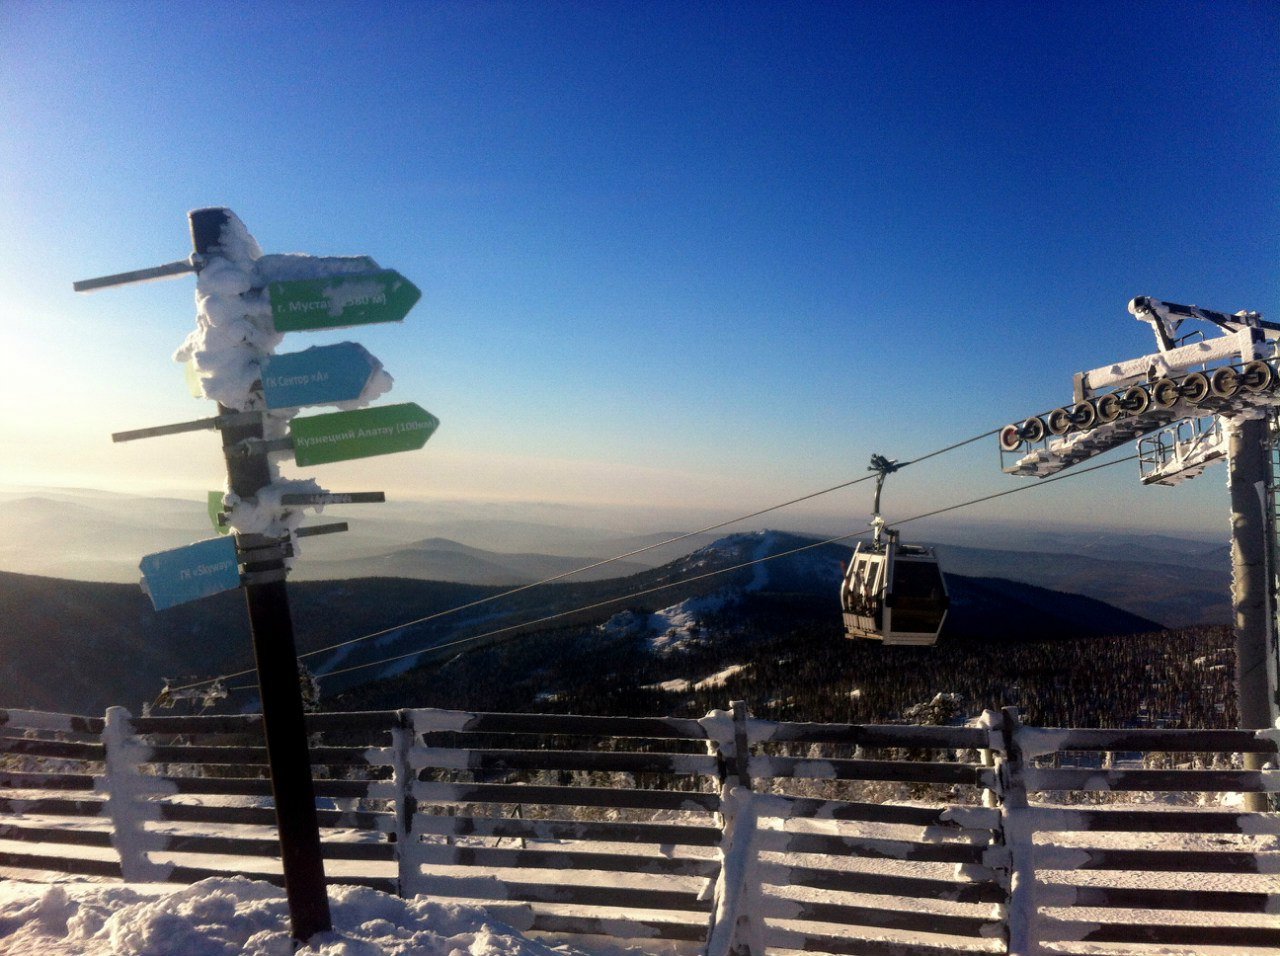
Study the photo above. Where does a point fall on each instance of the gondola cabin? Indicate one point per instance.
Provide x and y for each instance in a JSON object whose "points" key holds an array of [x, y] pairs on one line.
{"points": [[895, 594]]}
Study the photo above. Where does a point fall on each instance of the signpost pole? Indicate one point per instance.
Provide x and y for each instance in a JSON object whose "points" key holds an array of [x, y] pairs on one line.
{"points": [[277, 661]]}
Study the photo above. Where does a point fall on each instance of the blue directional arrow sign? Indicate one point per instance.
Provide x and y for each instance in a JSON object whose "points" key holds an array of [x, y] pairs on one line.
{"points": [[186, 574], [321, 375]]}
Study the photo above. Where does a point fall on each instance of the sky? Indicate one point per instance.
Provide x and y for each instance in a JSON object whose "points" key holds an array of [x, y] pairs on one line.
{"points": [[697, 256]]}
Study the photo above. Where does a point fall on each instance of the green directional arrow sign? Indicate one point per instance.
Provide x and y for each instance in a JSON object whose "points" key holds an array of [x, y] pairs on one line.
{"points": [[319, 439], [216, 513], [341, 300]]}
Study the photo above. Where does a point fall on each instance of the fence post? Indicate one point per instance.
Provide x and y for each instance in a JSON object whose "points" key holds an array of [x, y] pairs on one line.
{"points": [[735, 929], [126, 790], [1019, 835], [403, 739], [987, 758]]}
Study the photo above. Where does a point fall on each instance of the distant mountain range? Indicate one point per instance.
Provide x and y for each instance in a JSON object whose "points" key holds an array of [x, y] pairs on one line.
{"points": [[80, 646], [88, 535], [439, 559]]}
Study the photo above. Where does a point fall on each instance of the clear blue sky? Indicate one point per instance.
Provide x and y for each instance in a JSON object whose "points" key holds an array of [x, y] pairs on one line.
{"points": [[712, 254]]}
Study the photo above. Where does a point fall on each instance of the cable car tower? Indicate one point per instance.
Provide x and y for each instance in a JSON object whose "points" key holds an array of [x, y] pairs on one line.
{"points": [[1196, 401], [892, 592]]}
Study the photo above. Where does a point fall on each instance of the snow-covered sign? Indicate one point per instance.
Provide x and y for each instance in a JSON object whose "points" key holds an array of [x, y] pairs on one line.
{"points": [[341, 436], [186, 574], [331, 303], [320, 375]]}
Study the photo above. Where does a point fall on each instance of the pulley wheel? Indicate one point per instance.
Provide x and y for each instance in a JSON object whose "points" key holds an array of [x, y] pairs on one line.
{"points": [[1135, 400], [1107, 407], [1083, 415], [1195, 387], [1032, 430], [1164, 393], [1225, 382], [1257, 376], [1059, 421], [1010, 438]]}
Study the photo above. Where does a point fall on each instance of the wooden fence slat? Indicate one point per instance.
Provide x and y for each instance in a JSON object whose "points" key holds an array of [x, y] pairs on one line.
{"points": [[1155, 821], [53, 807], [943, 924], [214, 724], [261, 786], [669, 834], [653, 728], [435, 854], [882, 884], [964, 817], [1150, 740], [1152, 861], [1176, 934], [847, 946], [38, 834], [869, 735], [787, 842], [375, 720], [15, 780], [902, 771], [67, 749], [1154, 898], [565, 796], [625, 897], [61, 864], [252, 756], [1187, 781], [491, 760], [265, 816], [194, 874], [613, 927], [13, 721], [248, 846]]}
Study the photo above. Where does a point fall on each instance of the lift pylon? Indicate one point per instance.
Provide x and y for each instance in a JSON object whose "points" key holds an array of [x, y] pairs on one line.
{"points": [[1209, 398]]}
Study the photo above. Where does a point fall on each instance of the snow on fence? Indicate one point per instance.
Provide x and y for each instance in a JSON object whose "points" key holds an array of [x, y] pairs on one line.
{"points": [[726, 835]]}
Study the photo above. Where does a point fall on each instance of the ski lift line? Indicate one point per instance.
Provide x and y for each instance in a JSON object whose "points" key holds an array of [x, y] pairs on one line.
{"points": [[700, 577], [588, 607], [620, 557], [565, 574], [1001, 494], [629, 554]]}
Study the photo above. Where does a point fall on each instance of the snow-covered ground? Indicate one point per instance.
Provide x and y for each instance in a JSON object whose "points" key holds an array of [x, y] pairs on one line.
{"points": [[232, 916]]}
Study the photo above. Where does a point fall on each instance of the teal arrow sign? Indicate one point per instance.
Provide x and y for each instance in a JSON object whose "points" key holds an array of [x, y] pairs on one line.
{"points": [[185, 574], [360, 299], [341, 436], [320, 375]]}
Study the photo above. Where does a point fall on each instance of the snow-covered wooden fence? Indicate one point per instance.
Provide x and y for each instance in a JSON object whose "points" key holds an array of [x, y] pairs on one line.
{"points": [[728, 834]]}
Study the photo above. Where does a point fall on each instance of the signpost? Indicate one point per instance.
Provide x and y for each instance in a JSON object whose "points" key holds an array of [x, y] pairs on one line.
{"points": [[321, 375], [357, 293], [361, 299], [341, 436], [195, 571]]}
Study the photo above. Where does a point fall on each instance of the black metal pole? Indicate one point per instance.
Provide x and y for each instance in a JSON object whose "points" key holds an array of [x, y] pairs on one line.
{"points": [[276, 655], [1252, 594]]}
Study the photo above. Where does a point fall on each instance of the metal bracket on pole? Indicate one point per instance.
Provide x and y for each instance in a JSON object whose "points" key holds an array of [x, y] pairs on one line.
{"points": [[336, 498], [200, 424], [166, 271], [248, 447], [318, 529]]}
